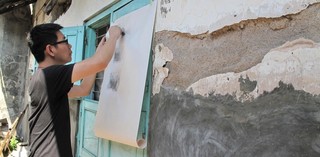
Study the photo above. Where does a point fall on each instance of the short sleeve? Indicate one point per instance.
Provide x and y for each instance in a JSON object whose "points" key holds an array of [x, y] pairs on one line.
{"points": [[58, 78]]}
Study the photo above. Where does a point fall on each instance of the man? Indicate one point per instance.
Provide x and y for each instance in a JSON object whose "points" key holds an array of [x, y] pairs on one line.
{"points": [[52, 84]]}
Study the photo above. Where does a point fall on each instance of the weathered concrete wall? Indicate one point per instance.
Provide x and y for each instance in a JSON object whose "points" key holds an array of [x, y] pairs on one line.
{"points": [[236, 78], [13, 62]]}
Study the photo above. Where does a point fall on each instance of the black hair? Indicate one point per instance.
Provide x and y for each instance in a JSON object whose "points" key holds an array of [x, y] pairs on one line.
{"points": [[40, 36]]}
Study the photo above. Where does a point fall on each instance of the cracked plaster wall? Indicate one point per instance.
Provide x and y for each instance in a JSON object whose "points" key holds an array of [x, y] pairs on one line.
{"points": [[200, 16], [242, 81], [295, 63]]}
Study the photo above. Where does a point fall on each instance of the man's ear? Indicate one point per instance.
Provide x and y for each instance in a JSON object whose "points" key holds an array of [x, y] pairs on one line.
{"points": [[49, 50]]}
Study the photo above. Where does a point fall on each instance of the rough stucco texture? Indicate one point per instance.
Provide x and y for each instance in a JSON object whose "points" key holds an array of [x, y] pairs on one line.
{"points": [[283, 121], [296, 62], [234, 48]]}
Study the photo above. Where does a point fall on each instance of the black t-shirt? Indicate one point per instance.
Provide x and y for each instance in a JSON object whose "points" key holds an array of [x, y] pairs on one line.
{"points": [[49, 121]]}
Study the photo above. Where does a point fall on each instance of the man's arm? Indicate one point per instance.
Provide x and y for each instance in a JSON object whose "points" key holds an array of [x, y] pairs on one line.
{"points": [[100, 60], [84, 88]]}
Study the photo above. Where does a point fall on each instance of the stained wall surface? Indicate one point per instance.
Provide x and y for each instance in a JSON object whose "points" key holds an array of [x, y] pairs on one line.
{"points": [[14, 53], [236, 78]]}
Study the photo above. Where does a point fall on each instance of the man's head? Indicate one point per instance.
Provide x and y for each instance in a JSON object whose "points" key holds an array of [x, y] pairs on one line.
{"points": [[44, 40]]}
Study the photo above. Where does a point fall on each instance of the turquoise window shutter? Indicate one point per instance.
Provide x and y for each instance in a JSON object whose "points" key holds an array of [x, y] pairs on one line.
{"points": [[75, 36], [88, 144]]}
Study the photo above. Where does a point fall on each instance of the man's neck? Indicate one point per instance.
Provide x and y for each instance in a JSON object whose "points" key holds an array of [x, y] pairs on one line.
{"points": [[45, 64], [49, 62]]}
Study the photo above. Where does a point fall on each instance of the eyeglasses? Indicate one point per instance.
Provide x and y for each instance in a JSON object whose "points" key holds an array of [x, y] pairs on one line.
{"points": [[59, 42]]}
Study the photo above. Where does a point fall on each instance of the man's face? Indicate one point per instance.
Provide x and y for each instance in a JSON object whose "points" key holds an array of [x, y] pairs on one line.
{"points": [[62, 49]]}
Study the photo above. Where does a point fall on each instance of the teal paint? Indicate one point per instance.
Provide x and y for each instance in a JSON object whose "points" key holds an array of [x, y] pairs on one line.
{"points": [[95, 20], [127, 8], [87, 114], [89, 42], [75, 36], [90, 48]]}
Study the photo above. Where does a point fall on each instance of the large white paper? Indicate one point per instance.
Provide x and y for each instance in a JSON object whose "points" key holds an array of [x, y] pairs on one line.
{"points": [[122, 91]]}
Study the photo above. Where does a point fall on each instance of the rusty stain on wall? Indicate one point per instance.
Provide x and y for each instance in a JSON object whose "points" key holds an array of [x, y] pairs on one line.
{"points": [[160, 72], [295, 63]]}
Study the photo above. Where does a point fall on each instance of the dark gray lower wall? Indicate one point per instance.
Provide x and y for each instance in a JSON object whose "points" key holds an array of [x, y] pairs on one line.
{"points": [[283, 123]]}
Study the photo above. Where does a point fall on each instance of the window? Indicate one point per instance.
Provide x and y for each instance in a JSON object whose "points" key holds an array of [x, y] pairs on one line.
{"points": [[100, 32]]}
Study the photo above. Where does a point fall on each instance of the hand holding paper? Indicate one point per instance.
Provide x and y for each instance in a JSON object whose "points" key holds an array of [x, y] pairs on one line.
{"points": [[113, 31]]}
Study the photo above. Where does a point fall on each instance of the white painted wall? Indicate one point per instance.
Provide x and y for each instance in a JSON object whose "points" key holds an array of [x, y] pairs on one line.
{"points": [[81, 10], [199, 16]]}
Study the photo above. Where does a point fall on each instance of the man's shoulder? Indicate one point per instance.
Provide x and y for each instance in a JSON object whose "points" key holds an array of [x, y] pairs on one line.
{"points": [[58, 68]]}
